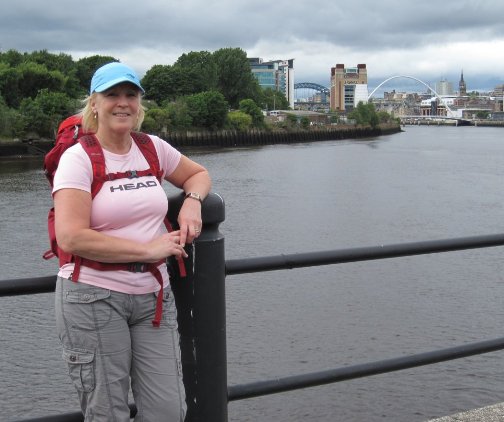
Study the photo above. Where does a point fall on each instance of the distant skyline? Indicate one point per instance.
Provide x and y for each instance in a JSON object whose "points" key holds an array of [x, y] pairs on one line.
{"points": [[430, 40], [484, 84]]}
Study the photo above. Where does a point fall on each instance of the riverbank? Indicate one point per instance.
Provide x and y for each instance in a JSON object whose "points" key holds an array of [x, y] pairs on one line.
{"points": [[224, 138], [446, 122]]}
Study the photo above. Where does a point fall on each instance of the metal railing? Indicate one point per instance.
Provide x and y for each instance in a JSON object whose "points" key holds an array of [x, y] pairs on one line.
{"points": [[200, 301]]}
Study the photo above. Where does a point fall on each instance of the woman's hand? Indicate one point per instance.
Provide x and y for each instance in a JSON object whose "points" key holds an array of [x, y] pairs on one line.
{"points": [[168, 244], [189, 220]]}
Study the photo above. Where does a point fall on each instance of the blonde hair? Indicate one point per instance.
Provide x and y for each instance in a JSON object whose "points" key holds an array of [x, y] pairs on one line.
{"points": [[90, 122]]}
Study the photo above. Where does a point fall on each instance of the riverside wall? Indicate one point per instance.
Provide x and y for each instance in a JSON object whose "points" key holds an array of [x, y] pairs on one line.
{"points": [[224, 138]]}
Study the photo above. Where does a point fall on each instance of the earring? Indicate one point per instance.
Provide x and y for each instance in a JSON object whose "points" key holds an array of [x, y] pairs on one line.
{"points": [[95, 115]]}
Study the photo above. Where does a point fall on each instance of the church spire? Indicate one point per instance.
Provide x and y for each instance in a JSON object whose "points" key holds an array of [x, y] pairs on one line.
{"points": [[462, 85]]}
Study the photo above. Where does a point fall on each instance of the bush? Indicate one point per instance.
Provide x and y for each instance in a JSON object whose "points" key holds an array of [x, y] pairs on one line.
{"points": [[305, 122], [252, 109], [157, 120], [238, 120]]}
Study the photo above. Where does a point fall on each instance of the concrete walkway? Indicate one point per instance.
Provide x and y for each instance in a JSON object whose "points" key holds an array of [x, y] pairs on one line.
{"points": [[493, 413]]}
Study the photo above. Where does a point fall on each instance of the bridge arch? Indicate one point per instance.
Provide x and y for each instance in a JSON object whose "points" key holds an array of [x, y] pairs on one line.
{"points": [[449, 110], [311, 85]]}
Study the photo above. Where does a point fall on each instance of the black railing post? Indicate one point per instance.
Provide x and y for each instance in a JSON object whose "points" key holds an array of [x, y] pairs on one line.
{"points": [[201, 307]]}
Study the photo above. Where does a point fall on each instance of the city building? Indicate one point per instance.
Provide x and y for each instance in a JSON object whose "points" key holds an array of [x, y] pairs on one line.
{"points": [[275, 74], [348, 87], [443, 87], [457, 105]]}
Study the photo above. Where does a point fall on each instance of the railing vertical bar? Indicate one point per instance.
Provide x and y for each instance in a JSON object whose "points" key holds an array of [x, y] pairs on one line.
{"points": [[201, 306]]}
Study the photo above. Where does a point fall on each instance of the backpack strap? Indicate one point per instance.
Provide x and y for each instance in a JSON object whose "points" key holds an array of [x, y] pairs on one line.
{"points": [[135, 267], [180, 260], [95, 153], [144, 142]]}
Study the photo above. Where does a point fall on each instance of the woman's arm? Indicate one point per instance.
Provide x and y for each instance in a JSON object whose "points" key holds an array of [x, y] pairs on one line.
{"points": [[74, 235], [192, 177]]}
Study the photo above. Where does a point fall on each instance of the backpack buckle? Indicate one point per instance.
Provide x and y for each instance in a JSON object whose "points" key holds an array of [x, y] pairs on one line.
{"points": [[131, 174], [138, 267]]}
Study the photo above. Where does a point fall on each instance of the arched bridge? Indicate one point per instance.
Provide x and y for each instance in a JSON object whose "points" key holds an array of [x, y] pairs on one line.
{"points": [[314, 86], [305, 91], [450, 113]]}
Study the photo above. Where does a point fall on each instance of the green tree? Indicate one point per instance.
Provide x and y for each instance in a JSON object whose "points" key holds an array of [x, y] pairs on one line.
{"points": [[43, 114], [235, 79], [179, 114], [384, 117], [365, 114], [26, 80], [252, 109], [373, 120], [273, 100], [9, 85], [12, 58], [200, 69], [33, 77], [160, 83], [207, 109], [238, 120], [11, 121], [62, 62]]}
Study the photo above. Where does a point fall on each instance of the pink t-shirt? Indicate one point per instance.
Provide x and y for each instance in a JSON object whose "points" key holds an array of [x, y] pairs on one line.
{"points": [[125, 208]]}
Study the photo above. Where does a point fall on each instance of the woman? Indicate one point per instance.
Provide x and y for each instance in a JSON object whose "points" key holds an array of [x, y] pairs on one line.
{"points": [[104, 320]]}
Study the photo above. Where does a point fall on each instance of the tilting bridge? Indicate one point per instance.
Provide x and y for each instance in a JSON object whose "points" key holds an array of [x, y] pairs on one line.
{"points": [[450, 114]]}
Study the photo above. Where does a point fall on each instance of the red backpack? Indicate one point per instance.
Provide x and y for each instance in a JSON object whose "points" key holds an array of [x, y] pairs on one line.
{"points": [[69, 133]]}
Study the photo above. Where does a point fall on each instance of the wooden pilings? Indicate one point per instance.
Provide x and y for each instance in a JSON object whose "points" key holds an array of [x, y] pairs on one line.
{"points": [[256, 137]]}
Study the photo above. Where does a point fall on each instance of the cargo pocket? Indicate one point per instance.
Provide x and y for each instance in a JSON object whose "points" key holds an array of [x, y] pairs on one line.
{"points": [[81, 368], [87, 308]]}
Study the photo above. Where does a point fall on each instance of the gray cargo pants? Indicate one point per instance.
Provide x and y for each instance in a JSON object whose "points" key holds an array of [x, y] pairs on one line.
{"points": [[107, 339]]}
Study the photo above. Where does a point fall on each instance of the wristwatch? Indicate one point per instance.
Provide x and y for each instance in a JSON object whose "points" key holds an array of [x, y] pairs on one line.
{"points": [[194, 195]]}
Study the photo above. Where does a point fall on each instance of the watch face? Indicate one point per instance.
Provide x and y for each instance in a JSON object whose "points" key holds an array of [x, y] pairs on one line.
{"points": [[194, 196]]}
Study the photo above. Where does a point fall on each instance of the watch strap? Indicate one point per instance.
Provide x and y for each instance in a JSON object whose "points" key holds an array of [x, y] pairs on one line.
{"points": [[194, 195]]}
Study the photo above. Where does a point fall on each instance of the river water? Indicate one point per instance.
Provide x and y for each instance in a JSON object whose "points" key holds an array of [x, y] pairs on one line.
{"points": [[429, 182]]}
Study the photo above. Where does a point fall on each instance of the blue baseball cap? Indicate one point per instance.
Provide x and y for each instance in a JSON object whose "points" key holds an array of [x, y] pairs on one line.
{"points": [[112, 74]]}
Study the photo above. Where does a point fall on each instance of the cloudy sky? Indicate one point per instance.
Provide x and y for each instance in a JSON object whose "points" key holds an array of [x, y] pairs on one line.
{"points": [[429, 40]]}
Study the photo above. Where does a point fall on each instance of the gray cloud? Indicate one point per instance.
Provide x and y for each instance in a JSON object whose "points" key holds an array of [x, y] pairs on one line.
{"points": [[154, 31]]}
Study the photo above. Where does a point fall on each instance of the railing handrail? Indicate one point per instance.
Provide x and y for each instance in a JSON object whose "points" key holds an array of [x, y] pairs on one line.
{"points": [[340, 256], [47, 284], [279, 385]]}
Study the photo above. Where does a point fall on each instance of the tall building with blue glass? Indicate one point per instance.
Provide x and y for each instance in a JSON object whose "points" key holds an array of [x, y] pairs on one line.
{"points": [[275, 74]]}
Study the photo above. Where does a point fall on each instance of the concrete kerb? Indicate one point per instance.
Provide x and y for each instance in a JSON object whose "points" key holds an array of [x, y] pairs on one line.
{"points": [[494, 413]]}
